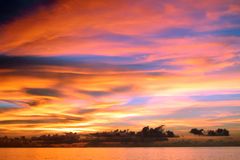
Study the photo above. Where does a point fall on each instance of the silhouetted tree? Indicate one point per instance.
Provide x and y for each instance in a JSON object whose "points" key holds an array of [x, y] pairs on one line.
{"points": [[211, 133], [157, 132], [145, 131], [222, 132], [197, 131], [218, 132], [58, 139], [170, 134]]}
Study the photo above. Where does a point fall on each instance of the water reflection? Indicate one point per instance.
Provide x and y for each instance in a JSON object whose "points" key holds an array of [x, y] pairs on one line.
{"points": [[183, 153]]}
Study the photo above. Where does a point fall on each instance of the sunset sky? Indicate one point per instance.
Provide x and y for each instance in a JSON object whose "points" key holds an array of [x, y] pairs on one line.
{"points": [[94, 65]]}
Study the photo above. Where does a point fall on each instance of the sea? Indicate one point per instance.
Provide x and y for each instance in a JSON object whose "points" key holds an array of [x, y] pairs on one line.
{"points": [[150, 153]]}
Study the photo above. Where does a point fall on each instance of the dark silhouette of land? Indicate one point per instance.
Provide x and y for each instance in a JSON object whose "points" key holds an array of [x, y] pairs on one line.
{"points": [[202, 132], [147, 137]]}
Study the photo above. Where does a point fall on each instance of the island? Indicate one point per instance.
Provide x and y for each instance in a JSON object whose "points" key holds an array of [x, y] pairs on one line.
{"points": [[146, 137]]}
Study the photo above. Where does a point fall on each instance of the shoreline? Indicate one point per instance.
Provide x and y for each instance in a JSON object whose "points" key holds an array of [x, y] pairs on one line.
{"points": [[101, 142]]}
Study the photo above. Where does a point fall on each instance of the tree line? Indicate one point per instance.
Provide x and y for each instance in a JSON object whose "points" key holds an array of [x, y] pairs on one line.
{"points": [[146, 134], [217, 132]]}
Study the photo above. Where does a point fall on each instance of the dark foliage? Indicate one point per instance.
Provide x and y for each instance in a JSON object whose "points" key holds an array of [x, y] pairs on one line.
{"points": [[15, 142], [196, 131], [170, 134], [155, 132], [146, 132], [43, 140], [218, 132], [58, 139]]}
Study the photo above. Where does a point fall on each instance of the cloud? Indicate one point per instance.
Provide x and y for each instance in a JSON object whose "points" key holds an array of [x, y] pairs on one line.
{"points": [[38, 121], [43, 92], [11, 10], [6, 105], [138, 101], [102, 28], [88, 111], [30, 61], [84, 63], [215, 116], [218, 97], [94, 93], [196, 112], [121, 89], [100, 93]]}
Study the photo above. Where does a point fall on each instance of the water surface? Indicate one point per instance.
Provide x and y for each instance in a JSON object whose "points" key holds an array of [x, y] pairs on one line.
{"points": [[164, 153]]}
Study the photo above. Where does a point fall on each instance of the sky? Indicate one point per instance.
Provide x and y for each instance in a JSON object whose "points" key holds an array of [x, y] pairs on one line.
{"points": [[97, 65]]}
